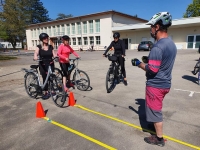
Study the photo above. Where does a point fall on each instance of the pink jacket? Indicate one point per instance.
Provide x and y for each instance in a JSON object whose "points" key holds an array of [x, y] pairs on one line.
{"points": [[64, 52]]}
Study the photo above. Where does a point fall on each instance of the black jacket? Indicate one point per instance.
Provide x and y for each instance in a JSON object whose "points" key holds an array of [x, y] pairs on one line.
{"points": [[119, 47]]}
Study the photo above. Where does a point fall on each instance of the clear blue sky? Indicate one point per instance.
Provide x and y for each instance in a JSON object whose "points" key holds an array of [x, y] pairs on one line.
{"points": [[143, 8]]}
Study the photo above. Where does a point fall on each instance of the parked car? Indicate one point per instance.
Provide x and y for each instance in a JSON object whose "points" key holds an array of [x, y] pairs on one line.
{"points": [[145, 45]]}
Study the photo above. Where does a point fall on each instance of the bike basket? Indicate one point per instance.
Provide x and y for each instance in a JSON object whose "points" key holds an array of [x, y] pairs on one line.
{"points": [[112, 58]]}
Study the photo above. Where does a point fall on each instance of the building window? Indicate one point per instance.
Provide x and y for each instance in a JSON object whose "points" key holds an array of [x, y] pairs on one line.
{"points": [[91, 26], [41, 30], [63, 29], [32, 33], [79, 41], [38, 31], [78, 28], [35, 33], [91, 40], [98, 40], [58, 30], [54, 31], [85, 27], [85, 40], [74, 41], [49, 31], [45, 30], [68, 29], [73, 28], [97, 23]]}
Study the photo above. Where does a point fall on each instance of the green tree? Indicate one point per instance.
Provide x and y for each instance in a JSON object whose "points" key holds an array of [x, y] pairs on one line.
{"points": [[38, 12], [14, 20], [193, 9], [3, 33], [63, 16], [16, 15]]}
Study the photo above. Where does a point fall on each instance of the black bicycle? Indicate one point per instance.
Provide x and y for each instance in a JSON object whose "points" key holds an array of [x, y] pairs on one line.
{"points": [[114, 74], [197, 70], [34, 86], [79, 78]]}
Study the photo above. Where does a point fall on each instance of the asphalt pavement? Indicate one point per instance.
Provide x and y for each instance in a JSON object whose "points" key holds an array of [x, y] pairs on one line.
{"points": [[100, 120]]}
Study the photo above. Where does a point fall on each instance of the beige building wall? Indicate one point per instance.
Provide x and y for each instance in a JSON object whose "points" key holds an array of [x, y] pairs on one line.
{"points": [[121, 21], [178, 34], [135, 37], [53, 29], [107, 21]]}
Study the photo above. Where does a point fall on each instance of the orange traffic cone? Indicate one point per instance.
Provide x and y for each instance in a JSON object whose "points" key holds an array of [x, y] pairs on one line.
{"points": [[71, 101], [39, 110]]}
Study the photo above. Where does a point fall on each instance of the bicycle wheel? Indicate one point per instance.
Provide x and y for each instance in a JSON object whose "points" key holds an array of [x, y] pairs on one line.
{"points": [[81, 80], [31, 84], [58, 94], [58, 73], [110, 80]]}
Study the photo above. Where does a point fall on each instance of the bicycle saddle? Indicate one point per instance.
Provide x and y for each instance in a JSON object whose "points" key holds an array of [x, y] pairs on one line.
{"points": [[34, 66]]}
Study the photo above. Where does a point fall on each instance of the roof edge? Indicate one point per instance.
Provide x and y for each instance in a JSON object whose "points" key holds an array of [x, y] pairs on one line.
{"points": [[88, 15]]}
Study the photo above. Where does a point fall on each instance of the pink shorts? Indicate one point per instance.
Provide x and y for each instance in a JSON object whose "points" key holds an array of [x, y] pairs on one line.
{"points": [[154, 98]]}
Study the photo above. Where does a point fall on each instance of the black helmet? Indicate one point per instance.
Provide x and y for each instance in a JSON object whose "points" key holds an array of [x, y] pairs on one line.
{"points": [[43, 36], [65, 37], [116, 35]]}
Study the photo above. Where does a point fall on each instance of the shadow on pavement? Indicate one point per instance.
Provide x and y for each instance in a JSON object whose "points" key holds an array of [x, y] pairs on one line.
{"points": [[10, 73], [190, 78], [146, 126]]}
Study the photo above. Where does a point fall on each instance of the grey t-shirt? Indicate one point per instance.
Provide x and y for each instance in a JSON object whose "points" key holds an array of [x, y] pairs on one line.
{"points": [[161, 62]]}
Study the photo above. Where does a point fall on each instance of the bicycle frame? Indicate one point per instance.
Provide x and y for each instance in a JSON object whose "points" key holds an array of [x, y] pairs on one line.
{"points": [[47, 78], [35, 71], [75, 63], [116, 65]]}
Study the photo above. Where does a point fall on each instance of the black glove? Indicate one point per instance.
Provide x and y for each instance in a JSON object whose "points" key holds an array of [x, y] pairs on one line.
{"points": [[135, 62], [145, 59]]}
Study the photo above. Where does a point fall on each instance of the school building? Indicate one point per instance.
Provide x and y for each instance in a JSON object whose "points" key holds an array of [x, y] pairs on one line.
{"points": [[98, 28]]}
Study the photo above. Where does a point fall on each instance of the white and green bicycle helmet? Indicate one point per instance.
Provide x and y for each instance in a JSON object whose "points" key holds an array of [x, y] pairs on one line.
{"points": [[163, 18]]}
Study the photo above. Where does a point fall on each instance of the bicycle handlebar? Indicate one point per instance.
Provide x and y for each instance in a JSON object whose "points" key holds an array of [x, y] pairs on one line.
{"points": [[74, 59], [46, 59], [107, 55]]}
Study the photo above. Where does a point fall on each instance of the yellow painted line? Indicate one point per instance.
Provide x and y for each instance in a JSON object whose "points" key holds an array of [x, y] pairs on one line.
{"points": [[138, 127], [80, 134]]}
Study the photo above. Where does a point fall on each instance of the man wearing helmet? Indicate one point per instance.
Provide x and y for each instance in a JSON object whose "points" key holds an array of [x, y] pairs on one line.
{"points": [[119, 50], [158, 72], [64, 50], [45, 52]]}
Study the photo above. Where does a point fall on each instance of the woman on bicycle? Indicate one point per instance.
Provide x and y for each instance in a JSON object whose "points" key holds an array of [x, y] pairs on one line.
{"points": [[64, 51], [45, 53], [119, 50]]}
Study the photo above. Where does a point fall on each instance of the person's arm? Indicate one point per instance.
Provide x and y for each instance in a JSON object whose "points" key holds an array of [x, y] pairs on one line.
{"points": [[155, 60], [142, 66], [123, 48], [109, 47], [36, 53], [73, 52], [60, 52], [53, 51]]}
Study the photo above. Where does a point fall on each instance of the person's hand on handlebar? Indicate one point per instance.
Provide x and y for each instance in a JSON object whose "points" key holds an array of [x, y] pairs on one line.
{"points": [[35, 58]]}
